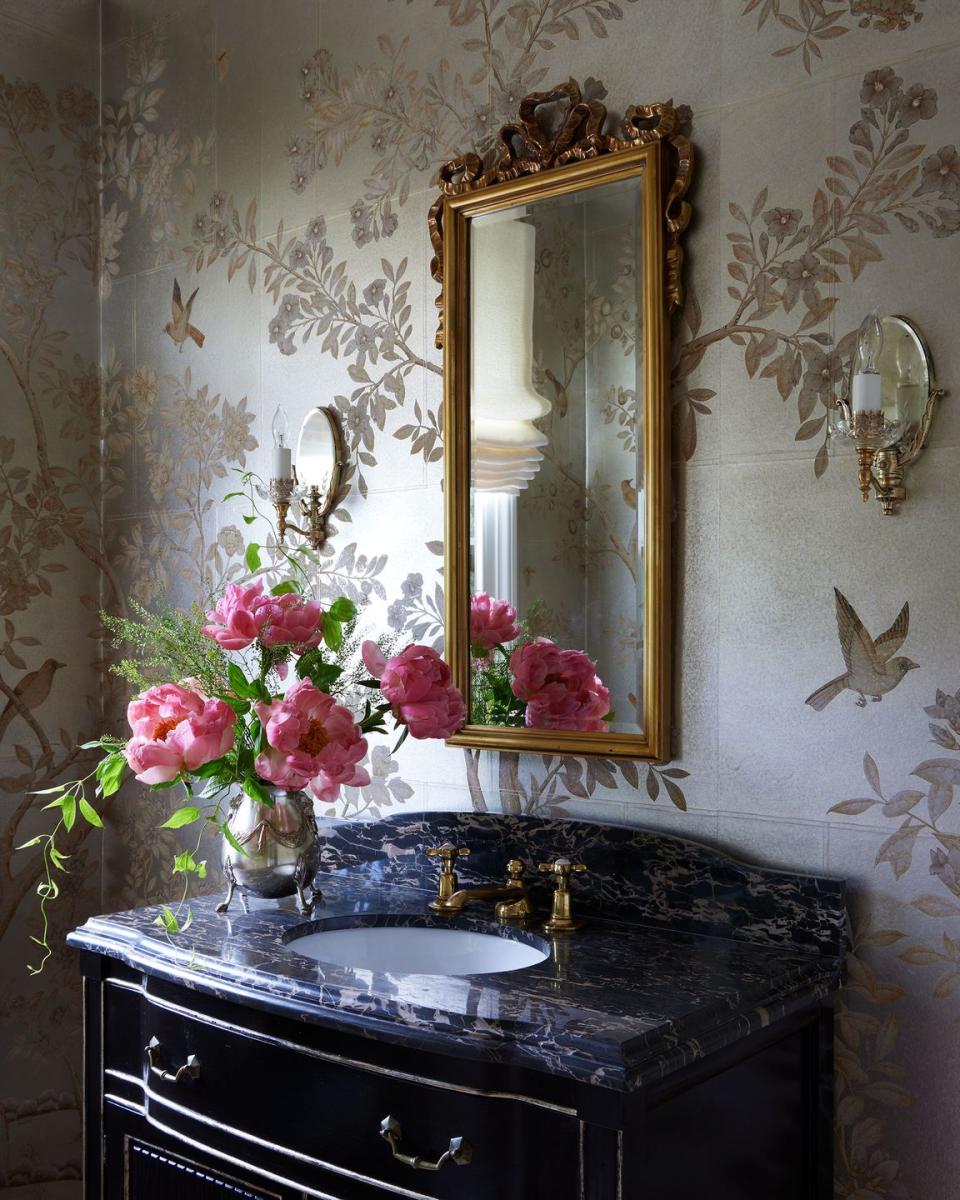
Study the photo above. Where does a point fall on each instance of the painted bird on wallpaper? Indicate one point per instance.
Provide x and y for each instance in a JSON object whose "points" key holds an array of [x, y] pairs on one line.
{"points": [[871, 668], [180, 328], [30, 692]]}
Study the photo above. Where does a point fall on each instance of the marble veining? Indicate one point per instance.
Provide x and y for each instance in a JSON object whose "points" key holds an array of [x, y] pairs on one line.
{"points": [[635, 874], [622, 1003]]}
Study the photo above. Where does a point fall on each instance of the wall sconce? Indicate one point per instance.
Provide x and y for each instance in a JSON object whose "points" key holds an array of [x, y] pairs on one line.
{"points": [[886, 408], [314, 480]]}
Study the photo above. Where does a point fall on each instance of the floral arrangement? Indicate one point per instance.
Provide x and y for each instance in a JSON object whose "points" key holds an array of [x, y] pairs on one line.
{"points": [[271, 691], [519, 679]]}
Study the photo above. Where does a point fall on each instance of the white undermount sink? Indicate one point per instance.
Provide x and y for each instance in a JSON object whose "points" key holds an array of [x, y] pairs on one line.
{"points": [[417, 950]]}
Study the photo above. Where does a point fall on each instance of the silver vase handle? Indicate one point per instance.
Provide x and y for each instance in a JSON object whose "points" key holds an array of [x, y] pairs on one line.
{"points": [[459, 1152]]}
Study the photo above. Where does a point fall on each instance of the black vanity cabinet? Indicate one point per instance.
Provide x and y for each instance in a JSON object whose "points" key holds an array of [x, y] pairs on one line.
{"points": [[638, 1062]]}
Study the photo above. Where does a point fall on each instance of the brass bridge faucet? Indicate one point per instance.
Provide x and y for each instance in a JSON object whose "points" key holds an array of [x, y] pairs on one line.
{"points": [[513, 899], [561, 916]]}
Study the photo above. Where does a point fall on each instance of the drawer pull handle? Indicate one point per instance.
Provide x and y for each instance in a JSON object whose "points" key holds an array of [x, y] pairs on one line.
{"points": [[459, 1152], [189, 1070]]}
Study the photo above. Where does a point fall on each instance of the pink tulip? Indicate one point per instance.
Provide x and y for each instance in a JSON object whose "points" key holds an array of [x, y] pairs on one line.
{"points": [[417, 683], [234, 621], [311, 739], [492, 623], [561, 688], [176, 730]]}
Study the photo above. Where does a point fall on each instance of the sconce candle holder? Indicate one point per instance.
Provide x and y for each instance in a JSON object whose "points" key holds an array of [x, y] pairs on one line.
{"points": [[887, 405], [320, 456]]}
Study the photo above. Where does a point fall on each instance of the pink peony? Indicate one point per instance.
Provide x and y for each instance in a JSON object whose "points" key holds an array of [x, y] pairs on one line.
{"points": [[561, 687], [234, 621], [289, 620], [418, 685], [243, 614], [311, 739], [492, 623], [176, 730]]}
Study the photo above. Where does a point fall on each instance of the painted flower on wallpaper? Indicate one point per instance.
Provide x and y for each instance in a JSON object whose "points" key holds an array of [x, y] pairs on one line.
{"points": [[925, 809], [414, 121], [815, 24], [785, 262]]}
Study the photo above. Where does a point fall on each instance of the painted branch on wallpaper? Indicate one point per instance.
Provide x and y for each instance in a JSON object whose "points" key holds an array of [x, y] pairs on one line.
{"points": [[816, 25], [783, 260]]}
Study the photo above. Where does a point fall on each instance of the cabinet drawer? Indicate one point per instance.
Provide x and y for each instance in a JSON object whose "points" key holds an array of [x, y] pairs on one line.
{"points": [[320, 1111]]}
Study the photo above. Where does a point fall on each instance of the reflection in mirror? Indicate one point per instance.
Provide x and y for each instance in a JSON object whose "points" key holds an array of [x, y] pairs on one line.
{"points": [[556, 369], [317, 451]]}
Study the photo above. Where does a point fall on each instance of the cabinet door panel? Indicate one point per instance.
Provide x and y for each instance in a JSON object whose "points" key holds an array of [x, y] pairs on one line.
{"points": [[155, 1174]]}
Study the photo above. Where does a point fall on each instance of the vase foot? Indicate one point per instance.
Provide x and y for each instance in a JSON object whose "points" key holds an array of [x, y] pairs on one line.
{"points": [[225, 903], [306, 906]]}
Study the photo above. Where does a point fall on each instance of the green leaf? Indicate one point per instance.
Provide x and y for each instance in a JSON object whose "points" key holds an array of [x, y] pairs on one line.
{"points": [[110, 773], [33, 842], [239, 682], [240, 707], [332, 632], [402, 738], [225, 830], [59, 859], [252, 557], [69, 809], [248, 519], [210, 769], [183, 816], [167, 920], [90, 814], [256, 791], [185, 864], [342, 609], [233, 495], [285, 588]]}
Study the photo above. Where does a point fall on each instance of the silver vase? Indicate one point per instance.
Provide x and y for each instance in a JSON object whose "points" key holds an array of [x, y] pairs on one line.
{"points": [[281, 849]]}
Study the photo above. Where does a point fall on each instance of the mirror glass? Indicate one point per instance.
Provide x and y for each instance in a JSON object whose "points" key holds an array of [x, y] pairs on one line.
{"points": [[317, 451], [904, 371], [556, 454]]}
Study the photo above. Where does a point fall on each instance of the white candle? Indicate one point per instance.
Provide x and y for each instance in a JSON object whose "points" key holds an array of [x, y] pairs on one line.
{"points": [[282, 463], [866, 393]]}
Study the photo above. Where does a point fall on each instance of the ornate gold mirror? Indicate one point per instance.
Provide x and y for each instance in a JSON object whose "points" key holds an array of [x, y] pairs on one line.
{"points": [[560, 265]]}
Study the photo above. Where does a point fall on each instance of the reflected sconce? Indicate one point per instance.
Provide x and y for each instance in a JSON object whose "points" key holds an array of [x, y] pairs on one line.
{"points": [[505, 444], [887, 405], [313, 481]]}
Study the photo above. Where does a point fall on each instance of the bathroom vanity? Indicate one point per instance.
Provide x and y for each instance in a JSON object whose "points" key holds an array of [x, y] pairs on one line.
{"points": [[678, 1045]]}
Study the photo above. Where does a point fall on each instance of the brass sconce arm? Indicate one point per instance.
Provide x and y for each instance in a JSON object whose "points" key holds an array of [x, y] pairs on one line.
{"points": [[316, 501]]}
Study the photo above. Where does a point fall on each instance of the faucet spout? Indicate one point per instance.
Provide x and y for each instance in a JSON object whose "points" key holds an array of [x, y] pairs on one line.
{"points": [[512, 898]]}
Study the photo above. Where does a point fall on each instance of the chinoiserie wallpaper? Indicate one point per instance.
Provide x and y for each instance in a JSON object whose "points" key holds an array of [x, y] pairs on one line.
{"points": [[279, 158]]}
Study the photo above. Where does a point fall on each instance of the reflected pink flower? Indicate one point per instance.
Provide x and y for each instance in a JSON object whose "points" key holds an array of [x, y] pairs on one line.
{"points": [[418, 685], [175, 730], [492, 623], [311, 740], [561, 688]]}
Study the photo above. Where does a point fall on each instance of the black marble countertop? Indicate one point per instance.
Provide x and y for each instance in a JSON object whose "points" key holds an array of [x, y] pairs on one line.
{"points": [[620, 1003]]}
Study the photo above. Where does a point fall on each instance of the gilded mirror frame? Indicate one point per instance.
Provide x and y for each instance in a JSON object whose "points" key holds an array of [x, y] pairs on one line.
{"points": [[535, 160]]}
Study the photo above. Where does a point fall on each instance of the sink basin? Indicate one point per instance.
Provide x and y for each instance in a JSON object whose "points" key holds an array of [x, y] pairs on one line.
{"points": [[417, 951]]}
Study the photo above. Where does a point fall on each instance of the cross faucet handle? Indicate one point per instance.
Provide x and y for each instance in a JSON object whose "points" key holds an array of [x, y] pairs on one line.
{"points": [[449, 853], [448, 883], [561, 916]]}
